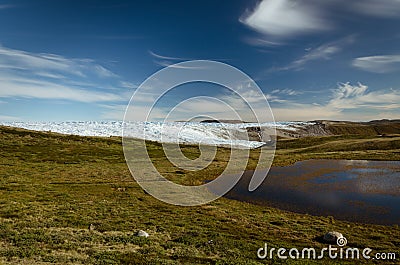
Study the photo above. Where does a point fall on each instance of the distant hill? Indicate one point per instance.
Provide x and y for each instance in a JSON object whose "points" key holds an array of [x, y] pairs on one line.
{"points": [[375, 127], [384, 128], [222, 121]]}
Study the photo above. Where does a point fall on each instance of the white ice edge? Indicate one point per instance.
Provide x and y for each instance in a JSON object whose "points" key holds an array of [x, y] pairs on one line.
{"points": [[172, 132]]}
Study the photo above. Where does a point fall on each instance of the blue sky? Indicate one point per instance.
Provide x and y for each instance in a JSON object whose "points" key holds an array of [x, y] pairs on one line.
{"points": [[82, 60]]}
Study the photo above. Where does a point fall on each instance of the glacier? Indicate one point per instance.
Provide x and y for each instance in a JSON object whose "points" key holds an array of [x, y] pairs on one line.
{"points": [[221, 134]]}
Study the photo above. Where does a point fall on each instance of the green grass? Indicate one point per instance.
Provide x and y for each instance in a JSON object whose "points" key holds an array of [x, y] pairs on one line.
{"points": [[53, 186]]}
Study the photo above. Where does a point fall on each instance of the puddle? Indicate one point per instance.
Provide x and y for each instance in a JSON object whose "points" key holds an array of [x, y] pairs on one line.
{"points": [[354, 190]]}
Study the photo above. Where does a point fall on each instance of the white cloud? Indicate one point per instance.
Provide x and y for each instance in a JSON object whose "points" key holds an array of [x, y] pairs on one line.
{"points": [[347, 102], [349, 96], [285, 18], [50, 76], [378, 64]]}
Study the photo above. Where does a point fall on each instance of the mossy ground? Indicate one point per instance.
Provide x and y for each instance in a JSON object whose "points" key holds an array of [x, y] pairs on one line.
{"points": [[53, 186]]}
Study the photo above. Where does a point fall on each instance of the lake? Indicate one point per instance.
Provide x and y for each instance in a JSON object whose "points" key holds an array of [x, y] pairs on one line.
{"points": [[354, 190]]}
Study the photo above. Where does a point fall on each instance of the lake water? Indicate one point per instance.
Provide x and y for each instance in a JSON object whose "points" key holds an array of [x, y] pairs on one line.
{"points": [[354, 190]]}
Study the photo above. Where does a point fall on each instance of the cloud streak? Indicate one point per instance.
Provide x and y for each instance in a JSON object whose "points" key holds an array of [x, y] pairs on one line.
{"points": [[322, 52], [50, 76], [6, 6], [378, 64], [168, 61], [31, 88], [379, 8]]}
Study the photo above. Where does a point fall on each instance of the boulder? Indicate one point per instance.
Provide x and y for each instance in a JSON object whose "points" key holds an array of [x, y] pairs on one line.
{"points": [[142, 233], [331, 237]]}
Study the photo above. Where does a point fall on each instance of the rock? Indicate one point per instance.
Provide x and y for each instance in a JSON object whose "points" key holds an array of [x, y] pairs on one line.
{"points": [[331, 237], [142, 233]]}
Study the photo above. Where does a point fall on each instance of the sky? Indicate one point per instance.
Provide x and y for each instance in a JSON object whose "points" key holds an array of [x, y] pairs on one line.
{"points": [[83, 60]]}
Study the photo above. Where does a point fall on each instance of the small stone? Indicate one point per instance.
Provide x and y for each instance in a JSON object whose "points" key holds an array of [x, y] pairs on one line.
{"points": [[142, 233], [331, 237]]}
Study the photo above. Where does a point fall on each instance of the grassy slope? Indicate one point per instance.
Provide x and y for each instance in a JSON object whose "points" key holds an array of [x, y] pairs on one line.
{"points": [[363, 128], [53, 186]]}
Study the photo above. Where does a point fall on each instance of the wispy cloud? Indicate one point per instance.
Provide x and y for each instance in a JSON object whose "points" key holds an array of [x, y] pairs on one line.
{"points": [[127, 84], [322, 52], [170, 61], [158, 56], [32, 88], [261, 41], [5, 6], [165, 61], [51, 63], [115, 37], [379, 63], [50, 76], [381, 8]]}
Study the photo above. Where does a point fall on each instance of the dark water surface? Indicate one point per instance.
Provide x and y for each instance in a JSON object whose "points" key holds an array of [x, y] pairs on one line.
{"points": [[354, 190]]}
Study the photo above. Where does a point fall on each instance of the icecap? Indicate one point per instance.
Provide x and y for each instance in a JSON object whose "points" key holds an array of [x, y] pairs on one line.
{"points": [[192, 133]]}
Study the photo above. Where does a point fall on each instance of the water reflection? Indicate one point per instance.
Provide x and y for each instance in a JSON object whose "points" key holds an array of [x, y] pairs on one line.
{"points": [[362, 191]]}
